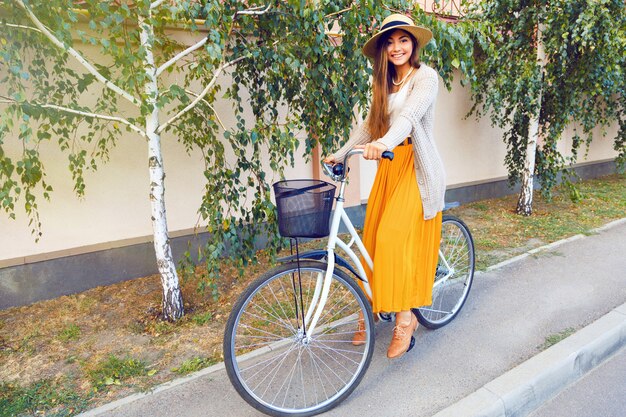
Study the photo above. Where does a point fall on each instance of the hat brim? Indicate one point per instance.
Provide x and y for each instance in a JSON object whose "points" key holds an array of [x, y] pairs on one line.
{"points": [[421, 34]]}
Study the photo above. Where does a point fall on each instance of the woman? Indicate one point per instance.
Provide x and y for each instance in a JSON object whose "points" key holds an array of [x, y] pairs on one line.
{"points": [[403, 219]]}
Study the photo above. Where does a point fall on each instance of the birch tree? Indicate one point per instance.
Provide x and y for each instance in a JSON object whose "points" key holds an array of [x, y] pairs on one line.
{"points": [[534, 83], [280, 54], [525, 200], [42, 89], [300, 84]]}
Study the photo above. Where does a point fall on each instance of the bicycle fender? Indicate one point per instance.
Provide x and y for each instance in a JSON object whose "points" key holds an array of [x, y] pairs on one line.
{"points": [[319, 255]]}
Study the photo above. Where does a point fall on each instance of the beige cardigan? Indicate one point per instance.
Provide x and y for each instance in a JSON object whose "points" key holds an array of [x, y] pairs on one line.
{"points": [[419, 110]]}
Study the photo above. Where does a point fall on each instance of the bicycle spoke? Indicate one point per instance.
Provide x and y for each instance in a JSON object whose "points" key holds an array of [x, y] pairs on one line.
{"points": [[329, 368], [268, 361], [280, 367], [319, 377], [340, 351], [450, 289]]}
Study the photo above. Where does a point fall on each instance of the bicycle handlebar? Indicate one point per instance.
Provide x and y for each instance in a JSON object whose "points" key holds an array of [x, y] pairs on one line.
{"points": [[337, 172]]}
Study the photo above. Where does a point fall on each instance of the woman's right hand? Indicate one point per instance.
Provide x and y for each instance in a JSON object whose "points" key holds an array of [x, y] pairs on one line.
{"points": [[373, 150]]}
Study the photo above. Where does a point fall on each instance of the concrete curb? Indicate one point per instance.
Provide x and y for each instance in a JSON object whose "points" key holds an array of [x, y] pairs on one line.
{"points": [[482, 397], [524, 388]]}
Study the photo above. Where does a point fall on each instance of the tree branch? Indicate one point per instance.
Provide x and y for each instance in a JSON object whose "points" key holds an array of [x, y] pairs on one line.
{"points": [[78, 56], [211, 107], [181, 55], [201, 95], [6, 100], [156, 4], [94, 116], [340, 11], [253, 11], [21, 27]]}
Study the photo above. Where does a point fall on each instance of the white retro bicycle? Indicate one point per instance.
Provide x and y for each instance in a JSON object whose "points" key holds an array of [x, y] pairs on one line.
{"points": [[288, 341]]}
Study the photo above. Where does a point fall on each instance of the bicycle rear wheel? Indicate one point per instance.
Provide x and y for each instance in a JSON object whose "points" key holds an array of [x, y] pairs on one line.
{"points": [[272, 360], [453, 277]]}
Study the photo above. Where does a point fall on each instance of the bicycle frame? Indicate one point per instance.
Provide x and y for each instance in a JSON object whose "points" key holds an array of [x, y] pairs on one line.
{"points": [[322, 286], [298, 320]]}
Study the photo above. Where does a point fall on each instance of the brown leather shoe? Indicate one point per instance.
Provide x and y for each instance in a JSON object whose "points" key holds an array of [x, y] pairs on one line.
{"points": [[359, 336], [401, 339]]}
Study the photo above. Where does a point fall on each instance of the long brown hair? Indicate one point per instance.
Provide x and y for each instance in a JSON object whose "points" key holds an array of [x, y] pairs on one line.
{"points": [[382, 84]]}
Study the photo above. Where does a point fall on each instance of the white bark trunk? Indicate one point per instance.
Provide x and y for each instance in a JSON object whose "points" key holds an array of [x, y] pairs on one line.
{"points": [[172, 296], [525, 200]]}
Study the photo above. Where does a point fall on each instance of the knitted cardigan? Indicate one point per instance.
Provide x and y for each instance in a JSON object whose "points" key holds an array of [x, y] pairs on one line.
{"points": [[419, 110]]}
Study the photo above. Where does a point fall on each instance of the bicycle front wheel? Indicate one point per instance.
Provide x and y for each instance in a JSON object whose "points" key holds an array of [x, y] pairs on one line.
{"points": [[453, 277], [275, 363]]}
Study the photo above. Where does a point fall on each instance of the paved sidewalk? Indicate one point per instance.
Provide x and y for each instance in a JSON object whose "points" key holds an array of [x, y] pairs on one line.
{"points": [[485, 363]]}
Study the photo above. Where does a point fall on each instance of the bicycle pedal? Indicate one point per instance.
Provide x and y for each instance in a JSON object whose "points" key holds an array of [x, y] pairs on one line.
{"points": [[411, 344], [385, 317]]}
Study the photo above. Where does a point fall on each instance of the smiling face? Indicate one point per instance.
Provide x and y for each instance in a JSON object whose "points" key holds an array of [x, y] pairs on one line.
{"points": [[399, 49]]}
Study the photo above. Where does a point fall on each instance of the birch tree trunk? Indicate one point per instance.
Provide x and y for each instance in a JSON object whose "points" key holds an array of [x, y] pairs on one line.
{"points": [[172, 296], [525, 200]]}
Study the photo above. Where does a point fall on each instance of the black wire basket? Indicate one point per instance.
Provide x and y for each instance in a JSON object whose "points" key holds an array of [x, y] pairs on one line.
{"points": [[304, 207]]}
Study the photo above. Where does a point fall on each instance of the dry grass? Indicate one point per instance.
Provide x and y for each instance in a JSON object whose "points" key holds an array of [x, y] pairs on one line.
{"points": [[73, 337], [108, 342], [499, 233]]}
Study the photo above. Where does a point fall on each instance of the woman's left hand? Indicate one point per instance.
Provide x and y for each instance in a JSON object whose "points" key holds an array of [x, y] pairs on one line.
{"points": [[372, 150]]}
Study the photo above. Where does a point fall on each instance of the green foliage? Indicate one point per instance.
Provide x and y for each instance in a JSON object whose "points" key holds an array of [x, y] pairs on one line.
{"points": [[202, 319], [452, 48], [193, 365], [45, 396], [582, 84], [555, 338], [301, 85], [69, 332], [113, 371]]}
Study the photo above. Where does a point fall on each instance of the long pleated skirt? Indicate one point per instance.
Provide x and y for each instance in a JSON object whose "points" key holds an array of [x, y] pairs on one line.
{"points": [[403, 246]]}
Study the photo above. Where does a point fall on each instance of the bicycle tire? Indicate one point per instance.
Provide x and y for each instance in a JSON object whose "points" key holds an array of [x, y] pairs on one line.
{"points": [[266, 358], [451, 286]]}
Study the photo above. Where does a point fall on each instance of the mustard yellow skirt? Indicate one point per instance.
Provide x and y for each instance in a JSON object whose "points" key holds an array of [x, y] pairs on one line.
{"points": [[402, 244]]}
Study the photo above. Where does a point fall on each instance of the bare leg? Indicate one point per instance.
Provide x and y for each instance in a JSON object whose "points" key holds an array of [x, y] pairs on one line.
{"points": [[359, 336]]}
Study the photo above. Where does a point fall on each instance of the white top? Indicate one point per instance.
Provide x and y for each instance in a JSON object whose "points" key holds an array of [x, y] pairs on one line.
{"points": [[396, 103], [400, 127]]}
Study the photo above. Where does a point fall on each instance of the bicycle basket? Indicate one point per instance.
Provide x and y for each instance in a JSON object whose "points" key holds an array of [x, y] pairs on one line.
{"points": [[304, 207]]}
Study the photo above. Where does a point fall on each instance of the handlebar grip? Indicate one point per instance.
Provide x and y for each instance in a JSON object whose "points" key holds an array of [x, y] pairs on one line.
{"points": [[338, 169], [388, 155]]}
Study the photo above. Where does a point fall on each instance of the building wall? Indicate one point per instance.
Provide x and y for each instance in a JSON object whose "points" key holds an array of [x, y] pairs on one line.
{"points": [[115, 209], [473, 151]]}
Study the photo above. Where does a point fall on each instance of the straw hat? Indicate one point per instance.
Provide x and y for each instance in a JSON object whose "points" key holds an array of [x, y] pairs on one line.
{"points": [[393, 22]]}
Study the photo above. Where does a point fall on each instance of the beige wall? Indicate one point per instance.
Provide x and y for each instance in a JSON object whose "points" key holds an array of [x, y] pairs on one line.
{"points": [[115, 210], [473, 151]]}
